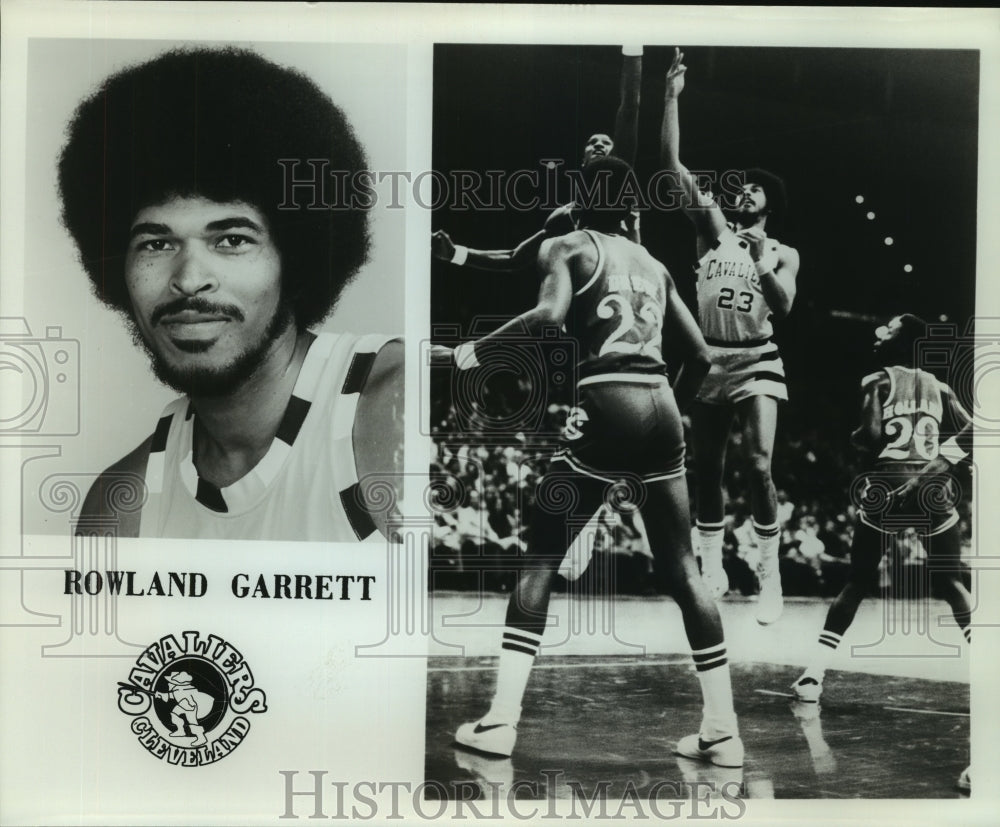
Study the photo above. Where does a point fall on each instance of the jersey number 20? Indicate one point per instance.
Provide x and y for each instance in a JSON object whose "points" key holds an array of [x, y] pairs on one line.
{"points": [[729, 300], [901, 430]]}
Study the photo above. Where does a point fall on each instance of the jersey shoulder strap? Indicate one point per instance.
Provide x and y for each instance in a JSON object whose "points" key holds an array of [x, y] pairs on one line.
{"points": [[598, 269]]}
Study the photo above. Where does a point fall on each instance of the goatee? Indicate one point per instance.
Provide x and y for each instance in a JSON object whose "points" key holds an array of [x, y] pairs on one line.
{"points": [[208, 382]]}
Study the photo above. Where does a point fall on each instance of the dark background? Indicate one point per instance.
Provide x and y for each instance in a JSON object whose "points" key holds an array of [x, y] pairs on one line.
{"points": [[898, 127]]}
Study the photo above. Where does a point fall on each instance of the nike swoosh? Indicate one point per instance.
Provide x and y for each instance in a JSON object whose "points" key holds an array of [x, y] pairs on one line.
{"points": [[704, 745], [480, 728]]}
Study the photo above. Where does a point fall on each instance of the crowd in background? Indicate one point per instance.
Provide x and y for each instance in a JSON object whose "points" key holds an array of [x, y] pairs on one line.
{"points": [[484, 483]]}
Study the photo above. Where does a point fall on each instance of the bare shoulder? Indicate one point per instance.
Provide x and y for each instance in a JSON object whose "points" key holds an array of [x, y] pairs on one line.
{"points": [[787, 255], [118, 493], [566, 245], [378, 430]]}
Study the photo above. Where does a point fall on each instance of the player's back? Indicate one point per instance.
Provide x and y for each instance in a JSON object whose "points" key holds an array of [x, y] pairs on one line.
{"points": [[913, 416], [617, 311]]}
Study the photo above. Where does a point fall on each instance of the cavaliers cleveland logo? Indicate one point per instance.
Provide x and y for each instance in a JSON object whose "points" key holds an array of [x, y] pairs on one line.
{"points": [[188, 698]]}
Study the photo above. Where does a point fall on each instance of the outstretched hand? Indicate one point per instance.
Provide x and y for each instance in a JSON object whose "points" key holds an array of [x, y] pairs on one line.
{"points": [[442, 247], [675, 75]]}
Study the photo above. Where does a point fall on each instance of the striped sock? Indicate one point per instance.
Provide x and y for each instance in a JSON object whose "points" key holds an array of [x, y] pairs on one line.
{"points": [[710, 536], [517, 656], [967, 631], [768, 540], [826, 647], [719, 717]]}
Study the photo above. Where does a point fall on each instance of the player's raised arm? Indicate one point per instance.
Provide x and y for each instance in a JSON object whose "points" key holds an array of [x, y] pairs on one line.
{"points": [[627, 117], [520, 257], [699, 207], [696, 360]]}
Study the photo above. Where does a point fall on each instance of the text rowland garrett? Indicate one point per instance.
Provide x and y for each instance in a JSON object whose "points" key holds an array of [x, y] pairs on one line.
{"points": [[196, 584]]}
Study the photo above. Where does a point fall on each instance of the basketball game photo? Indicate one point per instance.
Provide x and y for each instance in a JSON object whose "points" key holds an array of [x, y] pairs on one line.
{"points": [[705, 493]]}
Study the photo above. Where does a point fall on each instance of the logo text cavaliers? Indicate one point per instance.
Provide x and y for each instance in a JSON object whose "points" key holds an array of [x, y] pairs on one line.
{"points": [[188, 697]]}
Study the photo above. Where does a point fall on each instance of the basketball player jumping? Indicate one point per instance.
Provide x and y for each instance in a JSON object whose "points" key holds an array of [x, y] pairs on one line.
{"points": [[626, 435], [171, 185], [560, 221], [745, 278], [914, 428]]}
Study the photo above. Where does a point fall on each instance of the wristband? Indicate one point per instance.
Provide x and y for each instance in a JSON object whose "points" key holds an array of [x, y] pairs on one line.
{"points": [[460, 255], [762, 268], [632, 51], [465, 356]]}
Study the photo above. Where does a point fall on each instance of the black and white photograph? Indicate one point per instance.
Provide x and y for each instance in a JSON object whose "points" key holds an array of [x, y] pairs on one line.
{"points": [[424, 413], [275, 364], [705, 326]]}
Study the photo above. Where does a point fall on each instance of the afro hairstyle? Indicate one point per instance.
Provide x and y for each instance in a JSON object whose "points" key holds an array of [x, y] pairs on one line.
{"points": [[227, 125]]}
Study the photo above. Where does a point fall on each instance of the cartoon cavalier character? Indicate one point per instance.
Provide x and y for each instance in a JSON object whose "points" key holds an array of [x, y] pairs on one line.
{"points": [[191, 705]]}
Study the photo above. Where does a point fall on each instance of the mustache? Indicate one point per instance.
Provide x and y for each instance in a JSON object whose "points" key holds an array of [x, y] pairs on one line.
{"points": [[196, 304]]}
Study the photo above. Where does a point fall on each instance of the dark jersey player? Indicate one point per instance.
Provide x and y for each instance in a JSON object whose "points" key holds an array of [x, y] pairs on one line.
{"points": [[625, 435], [913, 426], [744, 279], [561, 221]]}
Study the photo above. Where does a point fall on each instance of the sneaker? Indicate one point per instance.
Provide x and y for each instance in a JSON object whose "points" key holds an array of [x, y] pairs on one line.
{"points": [[717, 581], [770, 602], [964, 783], [494, 739], [723, 752], [808, 689]]}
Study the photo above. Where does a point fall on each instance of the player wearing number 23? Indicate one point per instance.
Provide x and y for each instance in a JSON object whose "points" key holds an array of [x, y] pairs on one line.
{"points": [[744, 278]]}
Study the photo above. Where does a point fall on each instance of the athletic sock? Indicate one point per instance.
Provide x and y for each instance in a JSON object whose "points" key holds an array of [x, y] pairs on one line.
{"points": [[768, 540], [710, 536], [517, 656], [719, 719], [823, 653]]}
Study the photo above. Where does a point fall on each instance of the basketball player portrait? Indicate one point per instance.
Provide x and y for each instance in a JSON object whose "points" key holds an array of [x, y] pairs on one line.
{"points": [[184, 183]]}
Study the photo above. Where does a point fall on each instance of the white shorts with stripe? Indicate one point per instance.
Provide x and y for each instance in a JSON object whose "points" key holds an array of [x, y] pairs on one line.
{"points": [[739, 372]]}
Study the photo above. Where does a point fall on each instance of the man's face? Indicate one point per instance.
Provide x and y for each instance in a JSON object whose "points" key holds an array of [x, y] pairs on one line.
{"points": [[598, 146], [205, 282], [753, 201]]}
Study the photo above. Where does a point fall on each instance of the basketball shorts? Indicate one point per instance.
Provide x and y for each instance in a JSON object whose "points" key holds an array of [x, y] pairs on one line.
{"points": [[623, 436], [740, 372], [625, 428], [931, 511]]}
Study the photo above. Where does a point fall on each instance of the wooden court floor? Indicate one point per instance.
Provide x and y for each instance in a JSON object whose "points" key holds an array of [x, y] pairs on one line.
{"points": [[608, 724]]}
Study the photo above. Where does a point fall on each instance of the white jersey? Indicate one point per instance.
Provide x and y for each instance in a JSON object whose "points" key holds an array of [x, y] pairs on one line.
{"points": [[731, 304], [306, 485]]}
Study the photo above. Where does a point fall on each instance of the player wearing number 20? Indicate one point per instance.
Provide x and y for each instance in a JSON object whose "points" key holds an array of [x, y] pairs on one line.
{"points": [[909, 418], [744, 278]]}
